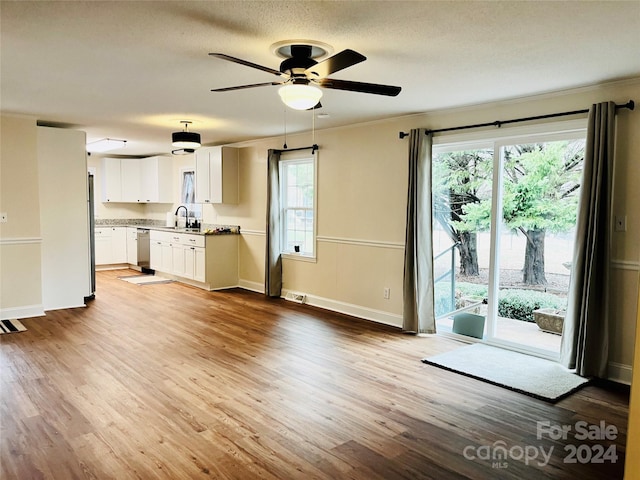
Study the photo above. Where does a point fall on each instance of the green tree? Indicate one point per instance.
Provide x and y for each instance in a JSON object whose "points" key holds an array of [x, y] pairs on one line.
{"points": [[539, 196], [460, 179]]}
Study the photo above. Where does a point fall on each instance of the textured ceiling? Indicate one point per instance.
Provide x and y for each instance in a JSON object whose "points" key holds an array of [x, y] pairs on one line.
{"points": [[134, 69]]}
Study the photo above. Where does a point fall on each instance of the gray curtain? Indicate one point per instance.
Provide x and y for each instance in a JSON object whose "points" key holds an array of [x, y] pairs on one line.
{"points": [[418, 301], [585, 338], [273, 266]]}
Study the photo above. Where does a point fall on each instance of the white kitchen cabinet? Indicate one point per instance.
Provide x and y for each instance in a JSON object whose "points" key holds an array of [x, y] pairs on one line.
{"points": [[217, 175], [155, 255], [166, 257], [178, 252], [199, 264], [111, 180], [119, 244], [103, 246], [110, 245], [157, 180], [131, 179], [132, 246], [137, 180], [189, 261], [209, 260]]}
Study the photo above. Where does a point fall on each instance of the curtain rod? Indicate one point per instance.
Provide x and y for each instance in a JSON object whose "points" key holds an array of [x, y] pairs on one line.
{"points": [[498, 123], [313, 149]]}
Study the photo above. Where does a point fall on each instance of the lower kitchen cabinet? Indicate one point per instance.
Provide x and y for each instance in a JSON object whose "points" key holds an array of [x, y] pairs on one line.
{"points": [[200, 264], [132, 245], [179, 265], [209, 262], [110, 245], [155, 254]]}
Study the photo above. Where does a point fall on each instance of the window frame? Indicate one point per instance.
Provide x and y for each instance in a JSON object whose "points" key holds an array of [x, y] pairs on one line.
{"points": [[194, 209], [297, 158]]}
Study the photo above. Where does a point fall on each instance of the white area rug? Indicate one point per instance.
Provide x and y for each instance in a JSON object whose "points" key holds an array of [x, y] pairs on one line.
{"points": [[145, 279], [522, 373]]}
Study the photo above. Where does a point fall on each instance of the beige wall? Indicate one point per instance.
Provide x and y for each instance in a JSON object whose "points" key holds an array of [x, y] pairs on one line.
{"points": [[20, 276], [362, 177]]}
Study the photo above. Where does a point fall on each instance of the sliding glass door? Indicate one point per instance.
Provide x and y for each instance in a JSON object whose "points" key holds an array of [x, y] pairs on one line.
{"points": [[504, 214]]}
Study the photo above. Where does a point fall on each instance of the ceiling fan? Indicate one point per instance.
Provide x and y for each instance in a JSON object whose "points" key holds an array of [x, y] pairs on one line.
{"points": [[300, 75]]}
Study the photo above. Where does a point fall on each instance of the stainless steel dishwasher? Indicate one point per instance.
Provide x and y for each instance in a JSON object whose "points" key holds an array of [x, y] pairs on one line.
{"points": [[143, 242]]}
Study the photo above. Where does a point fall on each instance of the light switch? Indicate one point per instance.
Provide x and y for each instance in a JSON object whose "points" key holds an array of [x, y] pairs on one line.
{"points": [[3, 217]]}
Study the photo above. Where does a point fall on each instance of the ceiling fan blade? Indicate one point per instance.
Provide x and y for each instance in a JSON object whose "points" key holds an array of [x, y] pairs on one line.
{"points": [[374, 88], [337, 62], [246, 63], [241, 87]]}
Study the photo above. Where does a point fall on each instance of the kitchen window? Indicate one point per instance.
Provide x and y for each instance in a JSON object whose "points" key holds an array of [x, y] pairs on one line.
{"points": [[298, 204], [188, 193]]}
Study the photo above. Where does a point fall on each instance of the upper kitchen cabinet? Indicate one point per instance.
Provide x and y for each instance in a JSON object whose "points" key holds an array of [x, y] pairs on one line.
{"points": [[131, 180], [217, 175], [137, 180], [157, 180], [111, 180]]}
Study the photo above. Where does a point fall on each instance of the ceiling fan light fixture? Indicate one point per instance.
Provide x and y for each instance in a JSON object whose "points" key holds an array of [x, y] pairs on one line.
{"points": [[186, 140], [300, 97]]}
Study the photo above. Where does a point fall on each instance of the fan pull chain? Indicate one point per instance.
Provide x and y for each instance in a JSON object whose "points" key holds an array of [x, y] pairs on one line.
{"points": [[313, 125], [285, 129]]}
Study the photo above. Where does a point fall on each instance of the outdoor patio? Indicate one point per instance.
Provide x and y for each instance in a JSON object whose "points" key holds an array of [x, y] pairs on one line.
{"points": [[517, 331]]}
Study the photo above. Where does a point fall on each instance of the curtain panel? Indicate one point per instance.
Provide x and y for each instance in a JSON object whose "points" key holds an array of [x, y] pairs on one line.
{"points": [[418, 314], [585, 338], [273, 259]]}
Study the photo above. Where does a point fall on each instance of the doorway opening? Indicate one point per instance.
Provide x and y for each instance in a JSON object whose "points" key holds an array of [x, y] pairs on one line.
{"points": [[504, 216]]}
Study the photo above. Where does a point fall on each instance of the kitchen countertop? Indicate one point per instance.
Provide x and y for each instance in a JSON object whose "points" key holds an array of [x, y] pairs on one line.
{"points": [[206, 229]]}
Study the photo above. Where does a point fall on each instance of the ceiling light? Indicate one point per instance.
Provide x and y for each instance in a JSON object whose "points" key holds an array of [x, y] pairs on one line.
{"points": [[186, 139], [182, 151], [300, 97], [105, 145]]}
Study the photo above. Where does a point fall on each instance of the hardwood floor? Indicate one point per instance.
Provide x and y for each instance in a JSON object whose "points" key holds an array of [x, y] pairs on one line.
{"points": [[171, 382]]}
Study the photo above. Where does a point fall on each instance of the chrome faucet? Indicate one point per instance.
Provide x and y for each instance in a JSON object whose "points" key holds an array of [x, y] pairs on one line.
{"points": [[186, 214]]}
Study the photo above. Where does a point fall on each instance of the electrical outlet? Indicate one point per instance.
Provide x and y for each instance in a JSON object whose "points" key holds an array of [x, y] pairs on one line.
{"points": [[620, 223], [386, 292], [3, 217]]}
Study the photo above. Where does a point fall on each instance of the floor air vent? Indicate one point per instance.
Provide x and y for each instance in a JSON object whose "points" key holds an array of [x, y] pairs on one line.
{"points": [[296, 297]]}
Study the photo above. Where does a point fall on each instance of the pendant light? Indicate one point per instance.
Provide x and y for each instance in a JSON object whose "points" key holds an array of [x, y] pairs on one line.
{"points": [[185, 139]]}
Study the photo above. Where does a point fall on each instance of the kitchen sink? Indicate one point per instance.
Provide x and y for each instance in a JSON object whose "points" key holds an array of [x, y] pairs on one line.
{"points": [[181, 229]]}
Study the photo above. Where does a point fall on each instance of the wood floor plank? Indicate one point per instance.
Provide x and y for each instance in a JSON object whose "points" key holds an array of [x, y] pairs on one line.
{"points": [[167, 381]]}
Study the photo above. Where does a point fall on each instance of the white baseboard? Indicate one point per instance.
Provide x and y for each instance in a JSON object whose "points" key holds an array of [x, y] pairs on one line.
{"points": [[359, 311], [620, 373], [114, 266], [252, 286], [26, 311]]}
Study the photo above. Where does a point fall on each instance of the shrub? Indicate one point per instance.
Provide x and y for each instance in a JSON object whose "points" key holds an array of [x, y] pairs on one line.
{"points": [[512, 303], [464, 289], [520, 304], [442, 298]]}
